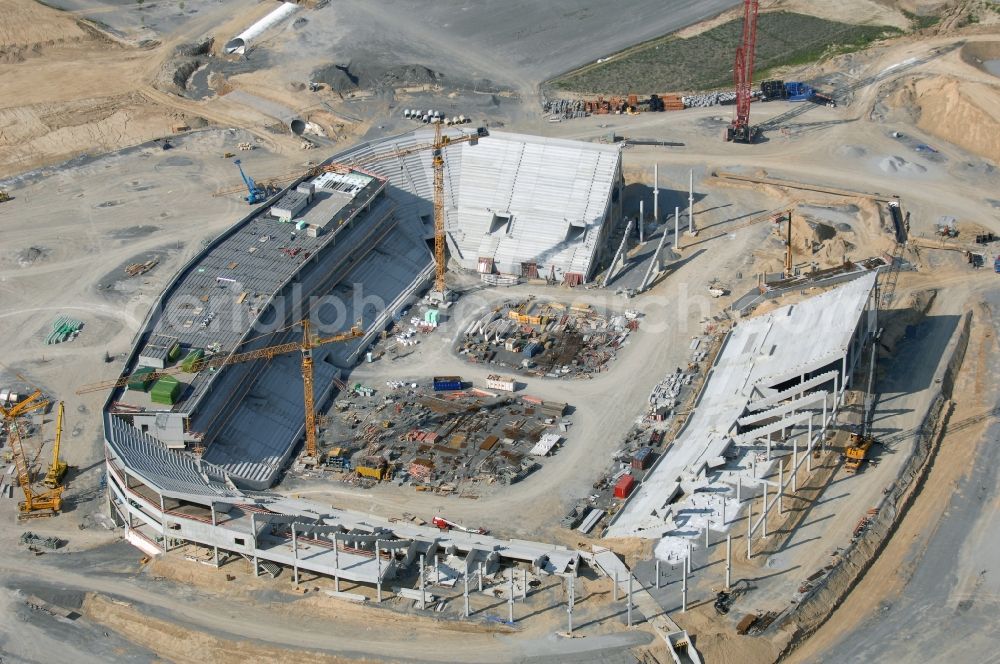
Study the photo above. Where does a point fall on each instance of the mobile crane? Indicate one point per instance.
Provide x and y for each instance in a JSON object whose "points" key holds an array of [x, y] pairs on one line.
{"points": [[255, 194], [35, 504], [305, 347], [740, 131]]}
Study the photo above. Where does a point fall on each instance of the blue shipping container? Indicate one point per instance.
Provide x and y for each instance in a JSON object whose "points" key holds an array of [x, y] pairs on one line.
{"points": [[447, 383], [798, 91]]}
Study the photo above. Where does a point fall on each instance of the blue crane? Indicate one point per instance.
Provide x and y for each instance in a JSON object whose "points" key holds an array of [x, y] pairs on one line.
{"points": [[254, 193]]}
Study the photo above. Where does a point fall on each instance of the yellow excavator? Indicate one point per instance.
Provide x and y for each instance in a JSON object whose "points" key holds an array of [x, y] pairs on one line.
{"points": [[57, 469], [857, 452]]}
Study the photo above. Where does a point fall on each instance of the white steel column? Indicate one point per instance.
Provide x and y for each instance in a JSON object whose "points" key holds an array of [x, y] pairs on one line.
{"points": [[691, 226], [729, 560], [423, 590], [781, 486], [763, 517], [642, 218], [336, 564], [569, 604], [466, 593], [628, 610], [684, 591], [510, 598], [749, 530], [378, 568], [295, 557], [809, 445], [677, 226], [656, 193], [253, 537], [795, 464]]}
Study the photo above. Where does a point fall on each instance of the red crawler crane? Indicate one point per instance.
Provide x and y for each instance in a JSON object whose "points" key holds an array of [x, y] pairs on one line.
{"points": [[740, 130]]}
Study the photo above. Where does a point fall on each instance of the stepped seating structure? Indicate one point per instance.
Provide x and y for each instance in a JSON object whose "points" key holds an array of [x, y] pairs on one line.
{"points": [[511, 198]]}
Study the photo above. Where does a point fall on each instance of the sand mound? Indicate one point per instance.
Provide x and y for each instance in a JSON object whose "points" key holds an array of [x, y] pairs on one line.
{"points": [[964, 113]]}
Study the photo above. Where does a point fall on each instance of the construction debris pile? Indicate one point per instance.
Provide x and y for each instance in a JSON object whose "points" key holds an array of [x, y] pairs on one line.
{"points": [[567, 109], [442, 437], [547, 338], [709, 99]]}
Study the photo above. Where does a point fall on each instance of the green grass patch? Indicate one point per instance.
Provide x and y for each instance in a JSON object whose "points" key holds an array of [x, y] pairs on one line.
{"points": [[705, 61], [919, 22]]}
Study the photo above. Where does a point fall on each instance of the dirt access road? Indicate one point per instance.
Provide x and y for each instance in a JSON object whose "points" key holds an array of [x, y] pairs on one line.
{"points": [[336, 631]]}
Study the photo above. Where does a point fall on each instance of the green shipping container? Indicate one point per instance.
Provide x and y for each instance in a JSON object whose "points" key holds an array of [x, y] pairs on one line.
{"points": [[174, 352], [140, 379], [166, 391], [191, 359]]}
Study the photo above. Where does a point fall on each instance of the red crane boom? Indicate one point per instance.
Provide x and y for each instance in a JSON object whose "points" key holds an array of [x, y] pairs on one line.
{"points": [[740, 131]]}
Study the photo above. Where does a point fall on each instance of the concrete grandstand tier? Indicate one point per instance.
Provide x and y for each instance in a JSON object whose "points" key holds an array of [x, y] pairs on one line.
{"points": [[510, 199], [342, 256], [774, 373], [162, 498]]}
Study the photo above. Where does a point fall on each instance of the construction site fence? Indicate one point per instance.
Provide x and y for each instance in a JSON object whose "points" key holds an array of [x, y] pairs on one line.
{"points": [[820, 602]]}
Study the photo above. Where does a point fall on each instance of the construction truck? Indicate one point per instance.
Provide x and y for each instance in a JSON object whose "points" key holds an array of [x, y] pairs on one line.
{"points": [[444, 524], [857, 452], [4, 196]]}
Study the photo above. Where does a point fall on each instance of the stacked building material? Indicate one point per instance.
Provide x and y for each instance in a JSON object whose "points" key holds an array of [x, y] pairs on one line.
{"points": [[63, 329]]}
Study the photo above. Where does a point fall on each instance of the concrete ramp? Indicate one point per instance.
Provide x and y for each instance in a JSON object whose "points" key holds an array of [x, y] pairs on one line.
{"points": [[681, 648]]}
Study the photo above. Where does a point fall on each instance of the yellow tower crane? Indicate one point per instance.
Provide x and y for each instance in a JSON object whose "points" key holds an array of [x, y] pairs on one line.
{"points": [[35, 504], [57, 469], [777, 219], [305, 347]]}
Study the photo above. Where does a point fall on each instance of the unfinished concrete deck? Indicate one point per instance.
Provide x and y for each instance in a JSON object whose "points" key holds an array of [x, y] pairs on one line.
{"points": [[769, 373]]}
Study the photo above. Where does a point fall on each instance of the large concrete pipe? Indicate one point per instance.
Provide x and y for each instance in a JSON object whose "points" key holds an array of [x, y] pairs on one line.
{"points": [[280, 112], [240, 42]]}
